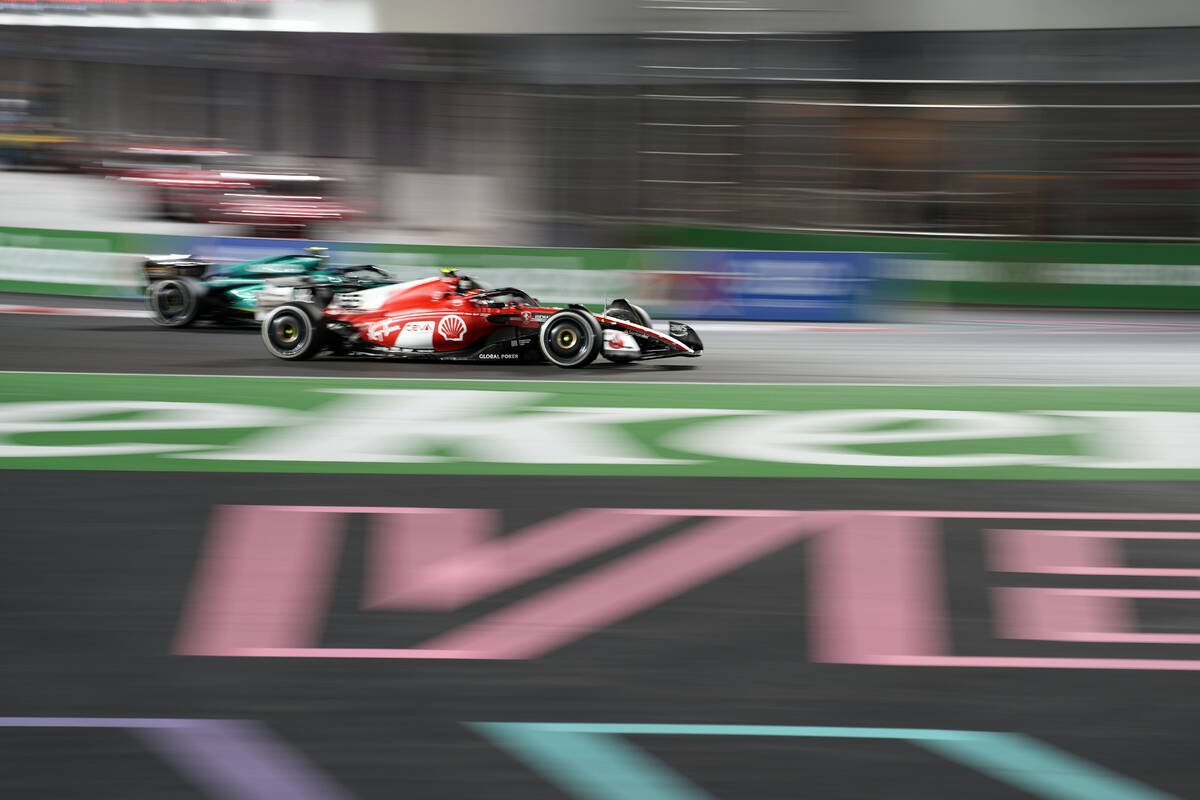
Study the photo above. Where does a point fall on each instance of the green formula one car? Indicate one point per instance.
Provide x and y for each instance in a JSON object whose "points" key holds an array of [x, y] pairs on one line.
{"points": [[182, 291]]}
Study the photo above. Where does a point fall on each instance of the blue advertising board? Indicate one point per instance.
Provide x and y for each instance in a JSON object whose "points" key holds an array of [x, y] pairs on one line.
{"points": [[762, 285], [773, 285]]}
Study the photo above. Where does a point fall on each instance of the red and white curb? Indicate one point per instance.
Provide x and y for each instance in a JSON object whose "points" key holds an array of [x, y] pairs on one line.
{"points": [[139, 313]]}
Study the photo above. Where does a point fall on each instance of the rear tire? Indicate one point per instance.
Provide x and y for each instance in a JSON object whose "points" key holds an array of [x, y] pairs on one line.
{"points": [[570, 339], [175, 302], [294, 332]]}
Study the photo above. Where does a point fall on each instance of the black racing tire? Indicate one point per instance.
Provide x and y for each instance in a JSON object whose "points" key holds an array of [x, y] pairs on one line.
{"points": [[637, 316], [295, 331], [176, 302], [570, 339]]}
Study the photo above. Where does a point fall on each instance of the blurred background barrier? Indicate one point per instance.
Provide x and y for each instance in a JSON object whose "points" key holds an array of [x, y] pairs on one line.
{"points": [[764, 285], [736, 275], [965, 271], [699, 284]]}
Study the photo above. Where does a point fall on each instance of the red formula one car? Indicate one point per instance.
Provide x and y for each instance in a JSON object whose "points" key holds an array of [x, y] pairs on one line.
{"points": [[453, 318]]}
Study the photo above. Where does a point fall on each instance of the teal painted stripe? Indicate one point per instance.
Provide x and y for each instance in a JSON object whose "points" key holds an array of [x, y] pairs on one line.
{"points": [[1040, 769], [592, 763], [635, 729], [591, 766]]}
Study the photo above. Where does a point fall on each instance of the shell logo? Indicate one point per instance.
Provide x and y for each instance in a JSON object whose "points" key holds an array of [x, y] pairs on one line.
{"points": [[452, 328]]}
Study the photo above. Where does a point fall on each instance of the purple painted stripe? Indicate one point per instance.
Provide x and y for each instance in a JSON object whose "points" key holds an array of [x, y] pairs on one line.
{"points": [[230, 759], [240, 760]]}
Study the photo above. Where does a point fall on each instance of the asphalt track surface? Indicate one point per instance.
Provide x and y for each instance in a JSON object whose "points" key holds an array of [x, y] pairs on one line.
{"points": [[96, 570], [94, 591], [948, 348]]}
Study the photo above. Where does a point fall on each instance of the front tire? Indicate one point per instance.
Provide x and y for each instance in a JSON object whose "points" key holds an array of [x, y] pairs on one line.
{"points": [[570, 339], [294, 332], [175, 302]]}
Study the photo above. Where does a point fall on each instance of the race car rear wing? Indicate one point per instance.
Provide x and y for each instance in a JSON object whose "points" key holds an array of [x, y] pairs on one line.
{"points": [[157, 268]]}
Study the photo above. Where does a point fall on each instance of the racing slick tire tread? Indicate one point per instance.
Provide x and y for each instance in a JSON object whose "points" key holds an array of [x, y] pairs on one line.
{"points": [[190, 291], [311, 335], [579, 353]]}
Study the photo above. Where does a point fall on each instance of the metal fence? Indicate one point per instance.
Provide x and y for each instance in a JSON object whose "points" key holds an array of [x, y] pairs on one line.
{"points": [[741, 126], [1063, 160]]}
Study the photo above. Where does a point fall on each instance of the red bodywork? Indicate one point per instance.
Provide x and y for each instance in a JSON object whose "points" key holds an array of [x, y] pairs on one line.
{"points": [[265, 209], [432, 314], [172, 168], [452, 318]]}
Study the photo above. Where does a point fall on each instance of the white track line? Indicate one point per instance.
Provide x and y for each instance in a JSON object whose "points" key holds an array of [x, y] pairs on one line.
{"points": [[517, 379]]}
